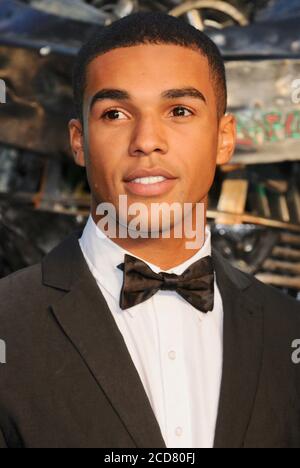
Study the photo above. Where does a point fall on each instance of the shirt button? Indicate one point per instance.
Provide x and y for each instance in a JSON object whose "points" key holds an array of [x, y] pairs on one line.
{"points": [[178, 431], [172, 355]]}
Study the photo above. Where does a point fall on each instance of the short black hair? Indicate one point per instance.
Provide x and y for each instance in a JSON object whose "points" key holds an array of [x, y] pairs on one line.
{"points": [[148, 28]]}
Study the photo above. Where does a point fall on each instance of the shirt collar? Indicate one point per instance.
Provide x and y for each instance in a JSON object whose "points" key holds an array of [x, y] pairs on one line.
{"points": [[103, 256]]}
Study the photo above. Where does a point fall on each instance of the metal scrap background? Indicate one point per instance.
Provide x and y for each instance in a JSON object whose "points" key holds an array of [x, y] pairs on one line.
{"points": [[254, 207]]}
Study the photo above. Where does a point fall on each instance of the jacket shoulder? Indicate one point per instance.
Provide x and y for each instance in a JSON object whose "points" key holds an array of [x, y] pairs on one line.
{"points": [[24, 294], [21, 282], [281, 309], [277, 303]]}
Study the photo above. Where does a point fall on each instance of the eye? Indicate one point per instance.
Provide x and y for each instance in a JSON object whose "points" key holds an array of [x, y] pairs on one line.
{"points": [[181, 110], [112, 114]]}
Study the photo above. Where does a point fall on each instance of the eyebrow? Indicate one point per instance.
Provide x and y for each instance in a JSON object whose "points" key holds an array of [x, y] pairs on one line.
{"points": [[121, 95]]}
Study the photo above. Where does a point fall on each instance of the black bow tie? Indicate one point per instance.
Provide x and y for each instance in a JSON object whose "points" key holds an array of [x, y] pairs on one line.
{"points": [[195, 285]]}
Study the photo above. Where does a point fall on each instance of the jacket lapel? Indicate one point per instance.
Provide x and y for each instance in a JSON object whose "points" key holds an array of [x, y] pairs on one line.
{"points": [[242, 353], [86, 319]]}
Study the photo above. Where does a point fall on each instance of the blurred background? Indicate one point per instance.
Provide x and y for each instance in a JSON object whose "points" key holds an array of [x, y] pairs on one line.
{"points": [[254, 207]]}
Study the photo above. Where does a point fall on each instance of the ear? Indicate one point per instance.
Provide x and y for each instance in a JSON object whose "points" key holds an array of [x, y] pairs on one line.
{"points": [[76, 141], [226, 139]]}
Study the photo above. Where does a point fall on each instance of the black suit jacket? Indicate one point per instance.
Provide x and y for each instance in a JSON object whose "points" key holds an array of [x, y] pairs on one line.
{"points": [[69, 381]]}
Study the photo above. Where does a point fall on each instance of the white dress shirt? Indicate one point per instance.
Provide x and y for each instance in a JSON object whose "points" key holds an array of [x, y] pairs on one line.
{"points": [[176, 349]]}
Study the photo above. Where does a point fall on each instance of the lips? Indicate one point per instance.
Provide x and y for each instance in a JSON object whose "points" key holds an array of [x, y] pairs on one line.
{"points": [[141, 173], [146, 182]]}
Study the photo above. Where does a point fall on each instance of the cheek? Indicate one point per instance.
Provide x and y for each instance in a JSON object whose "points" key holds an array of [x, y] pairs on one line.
{"points": [[201, 160], [199, 166], [104, 140], [104, 155]]}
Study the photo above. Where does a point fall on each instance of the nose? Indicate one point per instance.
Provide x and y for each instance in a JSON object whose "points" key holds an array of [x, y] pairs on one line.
{"points": [[148, 137]]}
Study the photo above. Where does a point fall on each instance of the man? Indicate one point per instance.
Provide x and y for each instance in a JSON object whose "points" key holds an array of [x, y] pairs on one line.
{"points": [[147, 341]]}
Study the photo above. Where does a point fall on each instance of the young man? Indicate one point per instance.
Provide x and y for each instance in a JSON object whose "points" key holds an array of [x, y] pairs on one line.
{"points": [[147, 341]]}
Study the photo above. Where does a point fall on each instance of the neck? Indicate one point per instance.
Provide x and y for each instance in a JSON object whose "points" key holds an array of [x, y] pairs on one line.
{"points": [[166, 253]]}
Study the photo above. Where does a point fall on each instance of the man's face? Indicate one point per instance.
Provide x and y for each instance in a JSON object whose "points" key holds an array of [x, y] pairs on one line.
{"points": [[151, 129]]}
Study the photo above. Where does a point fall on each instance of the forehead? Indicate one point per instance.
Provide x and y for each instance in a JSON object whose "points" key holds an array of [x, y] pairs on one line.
{"points": [[149, 68]]}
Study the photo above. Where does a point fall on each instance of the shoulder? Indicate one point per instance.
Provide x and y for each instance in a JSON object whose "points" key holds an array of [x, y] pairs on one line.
{"points": [[26, 295], [24, 298], [18, 287], [20, 278], [281, 310], [277, 305]]}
